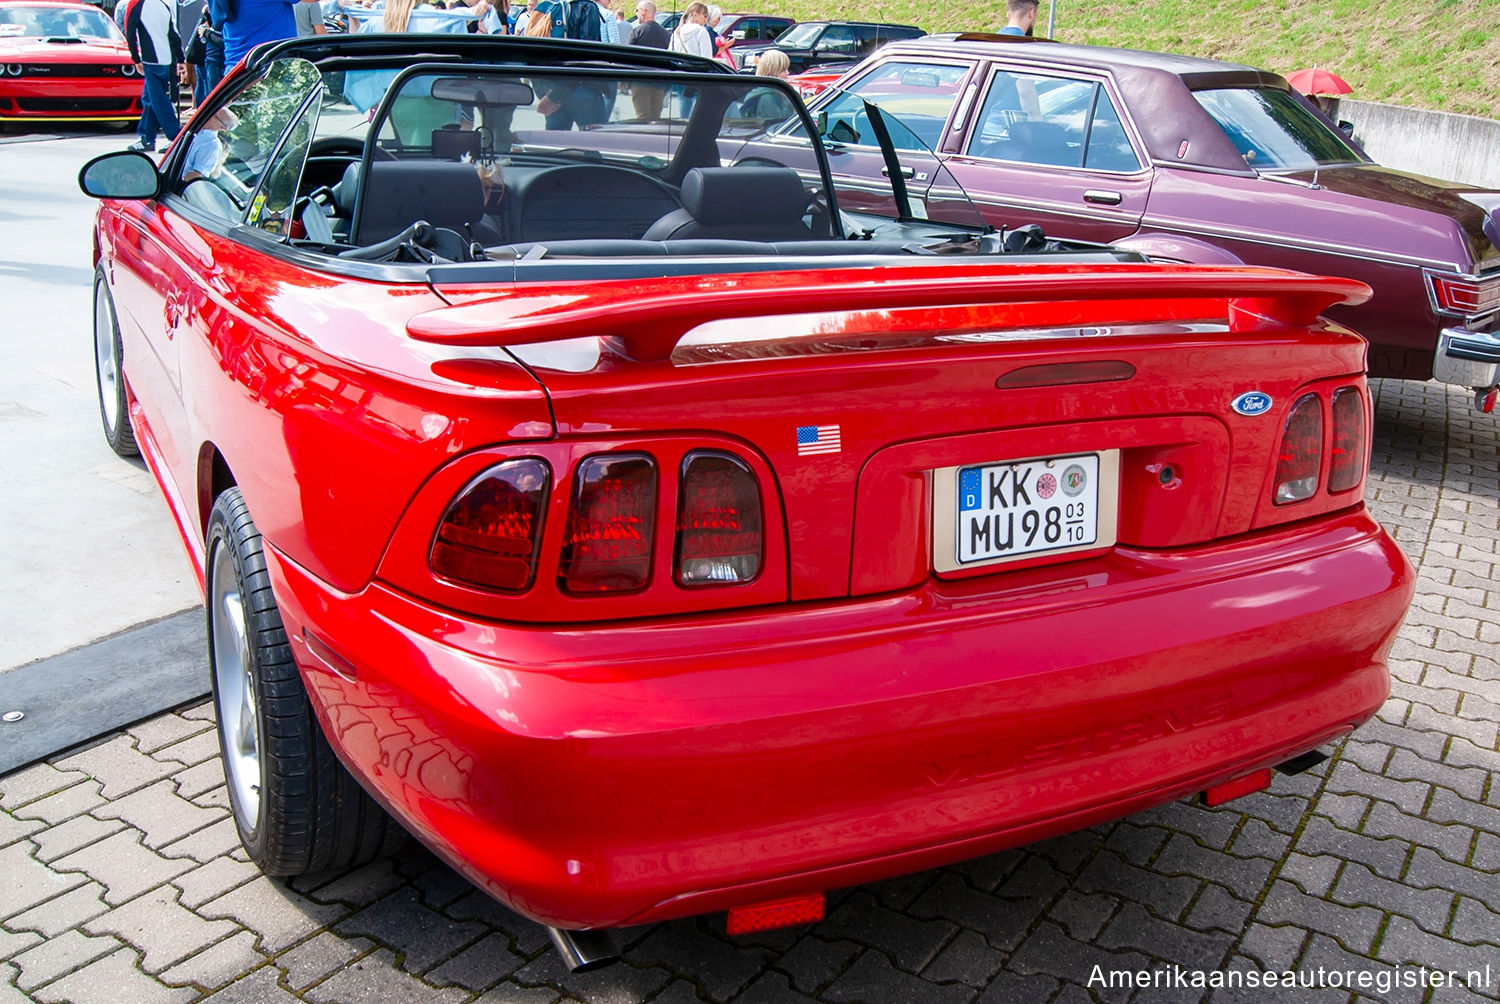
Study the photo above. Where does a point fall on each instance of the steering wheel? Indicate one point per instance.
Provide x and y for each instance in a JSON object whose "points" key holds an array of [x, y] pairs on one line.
{"points": [[336, 146], [206, 195]]}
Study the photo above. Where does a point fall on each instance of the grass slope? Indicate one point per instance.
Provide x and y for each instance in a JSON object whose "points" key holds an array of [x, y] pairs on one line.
{"points": [[1444, 54]]}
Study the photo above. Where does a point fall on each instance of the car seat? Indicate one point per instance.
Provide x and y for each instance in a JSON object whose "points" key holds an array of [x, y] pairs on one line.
{"points": [[737, 203], [398, 193]]}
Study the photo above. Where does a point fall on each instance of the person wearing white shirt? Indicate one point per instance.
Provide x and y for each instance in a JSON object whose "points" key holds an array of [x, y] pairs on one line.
{"points": [[691, 35]]}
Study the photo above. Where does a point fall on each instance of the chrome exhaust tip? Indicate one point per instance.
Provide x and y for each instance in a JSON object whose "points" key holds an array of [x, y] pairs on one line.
{"points": [[582, 951]]}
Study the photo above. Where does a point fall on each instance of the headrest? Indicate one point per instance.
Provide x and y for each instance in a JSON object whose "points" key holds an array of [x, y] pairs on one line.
{"points": [[347, 188], [720, 195]]}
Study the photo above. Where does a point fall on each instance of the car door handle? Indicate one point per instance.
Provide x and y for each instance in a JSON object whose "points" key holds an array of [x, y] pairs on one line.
{"points": [[906, 172], [1102, 198]]}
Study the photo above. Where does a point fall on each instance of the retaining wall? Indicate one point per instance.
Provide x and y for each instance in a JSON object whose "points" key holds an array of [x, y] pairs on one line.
{"points": [[1462, 148]]}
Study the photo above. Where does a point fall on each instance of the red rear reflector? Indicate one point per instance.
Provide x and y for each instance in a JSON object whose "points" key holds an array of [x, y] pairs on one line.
{"points": [[719, 538], [607, 544], [778, 913], [1221, 793], [1347, 466], [1301, 454], [490, 533]]}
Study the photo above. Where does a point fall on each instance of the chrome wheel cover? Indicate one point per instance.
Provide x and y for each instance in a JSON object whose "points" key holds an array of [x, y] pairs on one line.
{"points": [[106, 364], [234, 688]]}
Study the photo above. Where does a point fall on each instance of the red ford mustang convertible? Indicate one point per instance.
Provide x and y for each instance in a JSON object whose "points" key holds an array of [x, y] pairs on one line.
{"points": [[651, 535]]}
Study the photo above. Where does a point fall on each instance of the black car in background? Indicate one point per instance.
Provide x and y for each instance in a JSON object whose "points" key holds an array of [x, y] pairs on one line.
{"points": [[817, 43]]}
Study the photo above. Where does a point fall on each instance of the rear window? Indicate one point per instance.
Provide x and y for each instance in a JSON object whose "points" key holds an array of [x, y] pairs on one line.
{"points": [[1273, 130]]}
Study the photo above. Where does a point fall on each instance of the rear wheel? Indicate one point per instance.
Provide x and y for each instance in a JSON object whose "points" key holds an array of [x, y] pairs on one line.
{"points": [[109, 374], [296, 808]]}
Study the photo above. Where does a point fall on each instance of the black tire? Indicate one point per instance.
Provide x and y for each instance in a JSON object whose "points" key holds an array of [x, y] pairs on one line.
{"points": [[109, 372], [296, 808]]}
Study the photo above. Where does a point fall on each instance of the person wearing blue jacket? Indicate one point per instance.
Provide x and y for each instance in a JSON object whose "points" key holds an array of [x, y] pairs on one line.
{"points": [[247, 23]]}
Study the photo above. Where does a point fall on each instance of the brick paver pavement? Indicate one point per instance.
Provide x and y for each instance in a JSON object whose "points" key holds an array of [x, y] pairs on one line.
{"points": [[121, 879]]}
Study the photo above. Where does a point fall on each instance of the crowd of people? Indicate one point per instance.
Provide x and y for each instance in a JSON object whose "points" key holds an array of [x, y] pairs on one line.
{"points": [[228, 29]]}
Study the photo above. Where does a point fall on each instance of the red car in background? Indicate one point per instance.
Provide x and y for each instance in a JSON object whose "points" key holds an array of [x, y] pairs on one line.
{"points": [[652, 535], [64, 61]]}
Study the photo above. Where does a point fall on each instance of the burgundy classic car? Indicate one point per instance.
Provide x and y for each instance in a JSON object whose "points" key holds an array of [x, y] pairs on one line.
{"points": [[647, 558], [63, 60], [1192, 160]]}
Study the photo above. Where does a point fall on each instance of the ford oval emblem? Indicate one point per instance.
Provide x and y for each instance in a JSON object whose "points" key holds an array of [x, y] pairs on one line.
{"points": [[1252, 402]]}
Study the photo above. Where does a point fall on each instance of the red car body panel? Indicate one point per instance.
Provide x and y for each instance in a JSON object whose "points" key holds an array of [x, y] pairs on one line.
{"points": [[851, 712], [619, 775], [83, 80], [483, 734]]}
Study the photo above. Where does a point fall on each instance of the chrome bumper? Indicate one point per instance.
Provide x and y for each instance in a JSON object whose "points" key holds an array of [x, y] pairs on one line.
{"points": [[1467, 358]]}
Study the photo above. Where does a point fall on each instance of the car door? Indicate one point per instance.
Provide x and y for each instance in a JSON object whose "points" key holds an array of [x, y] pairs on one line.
{"points": [[1053, 150], [177, 283]]}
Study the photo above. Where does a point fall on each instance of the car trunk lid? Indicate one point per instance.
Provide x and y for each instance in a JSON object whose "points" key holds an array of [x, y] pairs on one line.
{"points": [[856, 386]]}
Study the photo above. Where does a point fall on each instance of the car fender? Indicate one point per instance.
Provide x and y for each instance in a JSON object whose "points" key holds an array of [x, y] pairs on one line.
{"points": [[1176, 248]]}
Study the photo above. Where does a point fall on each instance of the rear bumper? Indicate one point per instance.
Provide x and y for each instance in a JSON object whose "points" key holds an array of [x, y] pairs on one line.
{"points": [[1467, 358], [592, 776]]}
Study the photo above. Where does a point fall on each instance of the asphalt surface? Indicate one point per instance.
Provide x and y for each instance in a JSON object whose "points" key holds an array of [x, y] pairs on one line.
{"points": [[1376, 876], [87, 548]]}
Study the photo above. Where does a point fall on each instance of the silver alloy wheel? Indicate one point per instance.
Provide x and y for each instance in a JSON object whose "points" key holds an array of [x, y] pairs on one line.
{"points": [[107, 365], [234, 689]]}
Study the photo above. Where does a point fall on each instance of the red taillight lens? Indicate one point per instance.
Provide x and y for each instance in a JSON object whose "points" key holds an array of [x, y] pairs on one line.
{"points": [[1347, 466], [719, 539], [607, 544], [1301, 454], [1465, 296], [490, 534]]}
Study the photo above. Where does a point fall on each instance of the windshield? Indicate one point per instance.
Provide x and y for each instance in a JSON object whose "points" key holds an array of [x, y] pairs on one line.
{"points": [[56, 22], [563, 154], [1273, 131], [800, 36]]}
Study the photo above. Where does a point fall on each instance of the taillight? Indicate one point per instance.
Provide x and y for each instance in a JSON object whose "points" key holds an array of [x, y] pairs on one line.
{"points": [[1465, 296], [1301, 454], [719, 539], [606, 547], [1347, 466], [490, 534]]}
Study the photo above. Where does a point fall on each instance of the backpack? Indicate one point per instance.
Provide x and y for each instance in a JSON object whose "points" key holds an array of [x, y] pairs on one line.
{"points": [[584, 22]]}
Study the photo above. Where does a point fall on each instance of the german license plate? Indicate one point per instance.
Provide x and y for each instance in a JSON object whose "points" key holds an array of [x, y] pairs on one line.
{"points": [[1028, 507]]}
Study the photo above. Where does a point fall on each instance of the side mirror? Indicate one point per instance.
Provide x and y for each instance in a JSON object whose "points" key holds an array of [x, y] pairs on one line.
{"points": [[123, 174], [1346, 127]]}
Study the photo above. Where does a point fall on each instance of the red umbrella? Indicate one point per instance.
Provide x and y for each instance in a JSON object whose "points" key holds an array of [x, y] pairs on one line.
{"points": [[1316, 81]]}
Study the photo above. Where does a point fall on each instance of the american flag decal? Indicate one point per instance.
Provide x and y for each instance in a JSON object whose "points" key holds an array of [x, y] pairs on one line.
{"points": [[813, 439]]}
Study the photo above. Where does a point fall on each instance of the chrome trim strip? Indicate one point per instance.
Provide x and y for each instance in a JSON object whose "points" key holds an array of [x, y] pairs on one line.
{"points": [[1281, 241]]}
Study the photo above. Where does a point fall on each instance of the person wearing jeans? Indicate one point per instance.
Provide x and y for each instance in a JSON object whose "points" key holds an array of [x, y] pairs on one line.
{"points": [[151, 32], [211, 70]]}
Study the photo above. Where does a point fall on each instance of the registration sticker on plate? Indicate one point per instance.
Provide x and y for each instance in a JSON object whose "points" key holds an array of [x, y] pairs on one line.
{"points": [[1006, 511]]}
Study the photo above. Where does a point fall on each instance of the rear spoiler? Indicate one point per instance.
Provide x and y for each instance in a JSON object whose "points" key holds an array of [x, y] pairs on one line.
{"points": [[646, 319]]}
